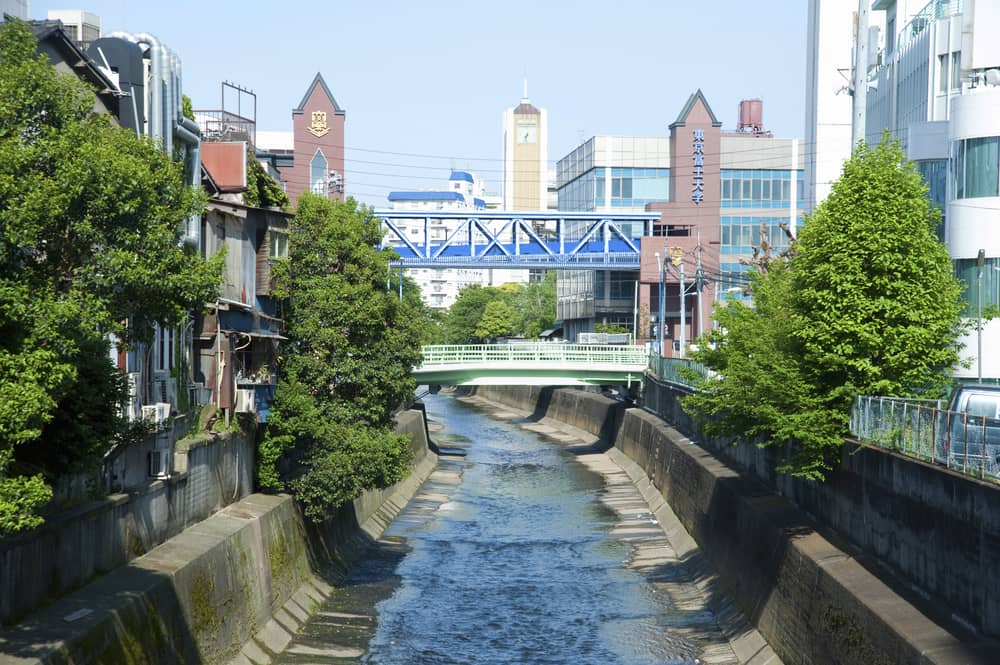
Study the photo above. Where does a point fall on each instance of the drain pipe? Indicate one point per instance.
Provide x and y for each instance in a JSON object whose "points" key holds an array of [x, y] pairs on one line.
{"points": [[154, 94]]}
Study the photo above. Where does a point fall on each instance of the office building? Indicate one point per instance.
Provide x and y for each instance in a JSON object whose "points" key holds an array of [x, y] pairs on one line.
{"points": [[440, 287], [936, 88], [721, 195]]}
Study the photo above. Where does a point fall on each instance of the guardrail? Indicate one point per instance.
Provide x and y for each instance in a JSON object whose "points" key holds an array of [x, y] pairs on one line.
{"points": [[550, 353], [922, 429], [677, 370]]}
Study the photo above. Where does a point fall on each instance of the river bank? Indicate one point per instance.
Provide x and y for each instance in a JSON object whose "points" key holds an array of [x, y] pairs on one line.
{"points": [[660, 549]]}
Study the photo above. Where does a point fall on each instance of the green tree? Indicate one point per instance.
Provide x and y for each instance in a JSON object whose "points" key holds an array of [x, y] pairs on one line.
{"points": [[465, 313], [867, 304], [90, 237], [536, 304], [497, 321], [346, 367]]}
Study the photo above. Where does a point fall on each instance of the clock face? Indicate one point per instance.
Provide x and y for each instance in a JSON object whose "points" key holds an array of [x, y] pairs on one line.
{"points": [[527, 133]]}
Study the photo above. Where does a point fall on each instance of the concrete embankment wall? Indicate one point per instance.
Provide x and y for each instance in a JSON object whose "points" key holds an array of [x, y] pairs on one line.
{"points": [[232, 588], [811, 600], [938, 530], [74, 546]]}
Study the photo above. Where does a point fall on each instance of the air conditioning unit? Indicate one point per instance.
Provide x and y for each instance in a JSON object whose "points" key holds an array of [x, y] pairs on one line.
{"points": [[159, 463], [158, 414], [245, 402]]}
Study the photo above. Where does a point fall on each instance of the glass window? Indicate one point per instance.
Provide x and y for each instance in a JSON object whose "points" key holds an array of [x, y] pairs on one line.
{"points": [[976, 167], [956, 70], [317, 173], [943, 73], [279, 245]]}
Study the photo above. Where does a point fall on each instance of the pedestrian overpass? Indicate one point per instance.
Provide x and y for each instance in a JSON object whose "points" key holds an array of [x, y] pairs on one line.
{"points": [[484, 239], [531, 364]]}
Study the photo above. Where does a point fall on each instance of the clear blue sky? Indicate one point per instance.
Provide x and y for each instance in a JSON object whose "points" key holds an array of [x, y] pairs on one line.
{"points": [[425, 83]]}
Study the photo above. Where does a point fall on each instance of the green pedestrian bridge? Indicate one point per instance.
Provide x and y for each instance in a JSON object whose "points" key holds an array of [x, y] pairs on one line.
{"points": [[531, 364]]}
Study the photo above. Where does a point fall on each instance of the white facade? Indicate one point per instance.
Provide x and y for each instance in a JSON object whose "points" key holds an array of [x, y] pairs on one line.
{"points": [[829, 52], [937, 89], [440, 287], [82, 27]]}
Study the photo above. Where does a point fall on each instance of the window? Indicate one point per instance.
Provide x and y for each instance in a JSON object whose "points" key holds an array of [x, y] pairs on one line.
{"points": [[975, 167], [279, 244], [943, 73], [967, 271], [318, 173], [956, 70]]}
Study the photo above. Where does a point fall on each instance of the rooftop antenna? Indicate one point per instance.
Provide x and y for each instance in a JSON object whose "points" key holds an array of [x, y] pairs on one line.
{"points": [[524, 97]]}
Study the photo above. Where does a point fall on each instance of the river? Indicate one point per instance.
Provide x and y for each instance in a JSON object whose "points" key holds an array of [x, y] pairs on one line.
{"points": [[518, 552]]}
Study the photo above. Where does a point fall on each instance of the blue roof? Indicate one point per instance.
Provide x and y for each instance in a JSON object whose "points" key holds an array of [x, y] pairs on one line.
{"points": [[461, 175], [426, 196], [479, 203]]}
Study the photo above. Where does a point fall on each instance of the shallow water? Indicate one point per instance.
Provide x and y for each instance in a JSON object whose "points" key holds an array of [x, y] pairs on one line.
{"points": [[505, 556]]}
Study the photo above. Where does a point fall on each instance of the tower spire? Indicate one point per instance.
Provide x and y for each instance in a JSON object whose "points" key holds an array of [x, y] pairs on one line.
{"points": [[524, 97]]}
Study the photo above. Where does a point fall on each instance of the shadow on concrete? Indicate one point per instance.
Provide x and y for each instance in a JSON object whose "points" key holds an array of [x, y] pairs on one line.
{"points": [[130, 615]]}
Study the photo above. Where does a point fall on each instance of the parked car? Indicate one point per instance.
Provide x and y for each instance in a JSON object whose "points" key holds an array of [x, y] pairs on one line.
{"points": [[973, 426]]}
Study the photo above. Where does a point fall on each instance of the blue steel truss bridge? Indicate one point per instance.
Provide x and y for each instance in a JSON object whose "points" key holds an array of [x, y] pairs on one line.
{"points": [[515, 240], [531, 364]]}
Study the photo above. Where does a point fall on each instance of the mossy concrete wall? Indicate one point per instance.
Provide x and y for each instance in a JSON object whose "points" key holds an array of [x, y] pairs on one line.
{"points": [[232, 588], [811, 600], [74, 546]]}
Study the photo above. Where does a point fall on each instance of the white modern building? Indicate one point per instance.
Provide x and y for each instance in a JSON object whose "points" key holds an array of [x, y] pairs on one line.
{"points": [[83, 27], [465, 191], [829, 64], [936, 88]]}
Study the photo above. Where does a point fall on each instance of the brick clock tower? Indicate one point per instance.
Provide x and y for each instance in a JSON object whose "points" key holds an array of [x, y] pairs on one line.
{"points": [[318, 128]]}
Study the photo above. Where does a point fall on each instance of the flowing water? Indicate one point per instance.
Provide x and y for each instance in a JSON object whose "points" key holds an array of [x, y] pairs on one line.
{"points": [[511, 554]]}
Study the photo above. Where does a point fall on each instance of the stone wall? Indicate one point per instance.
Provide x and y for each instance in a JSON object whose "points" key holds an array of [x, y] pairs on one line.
{"points": [[811, 600], [231, 588], [74, 546]]}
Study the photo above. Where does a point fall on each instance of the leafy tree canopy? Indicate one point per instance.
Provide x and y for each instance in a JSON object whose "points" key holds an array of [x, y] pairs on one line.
{"points": [[346, 367], [497, 321], [90, 236], [533, 305], [866, 304]]}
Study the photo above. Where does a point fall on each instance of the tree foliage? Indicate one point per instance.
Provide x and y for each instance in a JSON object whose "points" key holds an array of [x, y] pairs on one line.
{"points": [[90, 231], [866, 304], [533, 305], [262, 190], [346, 367], [497, 321]]}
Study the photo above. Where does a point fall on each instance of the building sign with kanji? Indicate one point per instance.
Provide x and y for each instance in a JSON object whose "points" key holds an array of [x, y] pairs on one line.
{"points": [[698, 186]]}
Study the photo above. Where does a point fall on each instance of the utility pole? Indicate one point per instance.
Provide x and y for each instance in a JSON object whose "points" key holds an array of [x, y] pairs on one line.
{"points": [[859, 82], [699, 284]]}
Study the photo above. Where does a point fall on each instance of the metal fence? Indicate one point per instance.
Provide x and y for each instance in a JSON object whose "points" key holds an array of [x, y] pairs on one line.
{"points": [[544, 352], [677, 370], [922, 429]]}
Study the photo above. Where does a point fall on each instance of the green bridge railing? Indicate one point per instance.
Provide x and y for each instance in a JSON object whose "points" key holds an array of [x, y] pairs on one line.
{"points": [[584, 355], [677, 370]]}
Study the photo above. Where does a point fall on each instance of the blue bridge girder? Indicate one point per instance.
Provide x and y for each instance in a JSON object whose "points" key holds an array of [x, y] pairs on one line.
{"points": [[513, 239]]}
